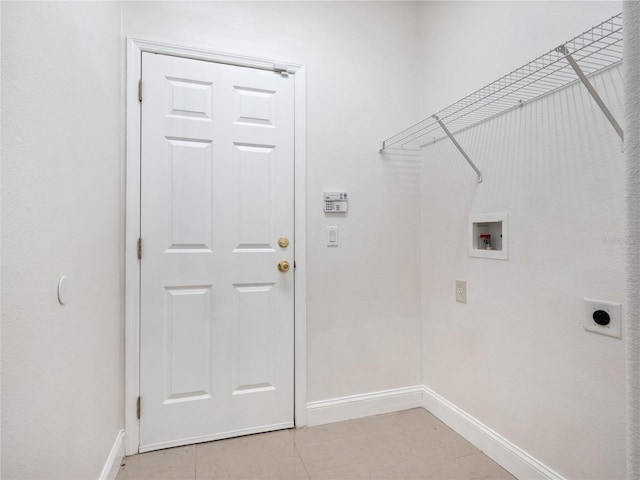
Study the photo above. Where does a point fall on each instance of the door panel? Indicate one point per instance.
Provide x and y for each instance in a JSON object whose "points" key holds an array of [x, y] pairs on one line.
{"points": [[252, 357], [216, 194], [253, 171], [189, 343], [190, 195]]}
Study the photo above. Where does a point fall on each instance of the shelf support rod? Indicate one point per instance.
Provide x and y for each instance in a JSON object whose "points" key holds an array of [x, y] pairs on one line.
{"points": [[460, 149], [583, 78]]}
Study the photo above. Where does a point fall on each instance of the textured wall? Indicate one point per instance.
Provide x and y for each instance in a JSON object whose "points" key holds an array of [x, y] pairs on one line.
{"points": [[534, 377], [61, 365], [363, 310], [632, 154], [468, 44], [516, 356]]}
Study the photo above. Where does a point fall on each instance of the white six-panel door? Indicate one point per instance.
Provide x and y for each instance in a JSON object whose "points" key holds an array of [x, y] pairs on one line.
{"points": [[216, 313]]}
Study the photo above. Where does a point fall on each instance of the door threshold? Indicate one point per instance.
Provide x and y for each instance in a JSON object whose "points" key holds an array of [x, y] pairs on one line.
{"points": [[217, 436]]}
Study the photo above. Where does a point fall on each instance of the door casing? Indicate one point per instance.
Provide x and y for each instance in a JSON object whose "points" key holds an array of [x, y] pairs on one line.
{"points": [[135, 48]]}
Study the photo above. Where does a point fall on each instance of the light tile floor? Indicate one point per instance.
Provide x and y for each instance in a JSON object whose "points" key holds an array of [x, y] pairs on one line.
{"points": [[412, 444]]}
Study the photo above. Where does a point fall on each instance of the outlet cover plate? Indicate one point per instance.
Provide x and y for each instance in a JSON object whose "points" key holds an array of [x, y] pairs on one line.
{"points": [[614, 328], [461, 291]]}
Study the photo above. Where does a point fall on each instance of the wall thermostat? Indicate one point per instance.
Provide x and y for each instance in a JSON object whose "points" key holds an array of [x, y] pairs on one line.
{"points": [[335, 202]]}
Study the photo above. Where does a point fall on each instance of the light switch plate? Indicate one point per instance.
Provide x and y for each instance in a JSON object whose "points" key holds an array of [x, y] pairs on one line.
{"points": [[461, 291], [612, 310], [332, 236]]}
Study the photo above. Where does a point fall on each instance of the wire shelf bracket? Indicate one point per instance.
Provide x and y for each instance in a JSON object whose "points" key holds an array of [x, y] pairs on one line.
{"points": [[594, 93], [589, 53], [460, 149]]}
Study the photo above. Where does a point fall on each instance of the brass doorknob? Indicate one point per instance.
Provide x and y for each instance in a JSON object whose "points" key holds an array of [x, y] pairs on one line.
{"points": [[283, 266], [283, 242]]}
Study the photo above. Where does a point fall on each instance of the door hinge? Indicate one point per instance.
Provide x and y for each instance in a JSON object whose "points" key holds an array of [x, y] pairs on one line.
{"points": [[140, 90], [138, 408], [139, 249]]}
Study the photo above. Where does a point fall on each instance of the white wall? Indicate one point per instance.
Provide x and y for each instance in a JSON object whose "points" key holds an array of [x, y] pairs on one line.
{"points": [[467, 44], [515, 356], [536, 378], [61, 365], [632, 154], [62, 188], [362, 83]]}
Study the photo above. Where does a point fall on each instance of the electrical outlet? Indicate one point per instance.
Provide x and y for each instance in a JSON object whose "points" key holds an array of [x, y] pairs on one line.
{"points": [[461, 291], [603, 317]]}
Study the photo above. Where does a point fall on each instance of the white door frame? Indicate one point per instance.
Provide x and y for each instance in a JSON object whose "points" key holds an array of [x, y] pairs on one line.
{"points": [[135, 48]]}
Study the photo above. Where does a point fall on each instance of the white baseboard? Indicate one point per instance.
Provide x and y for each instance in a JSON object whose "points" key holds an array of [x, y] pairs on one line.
{"points": [[513, 459], [502, 451], [112, 465], [358, 406]]}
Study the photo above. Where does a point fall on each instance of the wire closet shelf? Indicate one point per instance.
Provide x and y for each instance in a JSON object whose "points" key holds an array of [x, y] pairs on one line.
{"points": [[595, 50]]}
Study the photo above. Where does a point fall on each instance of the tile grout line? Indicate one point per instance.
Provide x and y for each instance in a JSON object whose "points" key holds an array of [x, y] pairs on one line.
{"points": [[304, 465], [195, 467], [418, 458], [364, 434], [393, 429]]}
